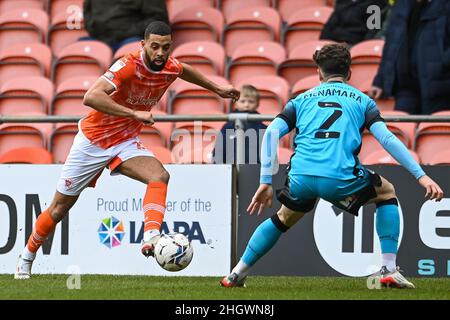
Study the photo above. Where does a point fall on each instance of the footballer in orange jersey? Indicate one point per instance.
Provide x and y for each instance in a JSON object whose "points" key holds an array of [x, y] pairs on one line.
{"points": [[122, 100]]}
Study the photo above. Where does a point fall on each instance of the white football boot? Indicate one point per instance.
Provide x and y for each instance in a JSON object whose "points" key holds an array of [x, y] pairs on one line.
{"points": [[148, 247], [23, 269], [394, 279]]}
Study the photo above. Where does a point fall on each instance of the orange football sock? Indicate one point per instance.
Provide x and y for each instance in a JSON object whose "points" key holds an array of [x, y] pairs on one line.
{"points": [[43, 227], [154, 205]]}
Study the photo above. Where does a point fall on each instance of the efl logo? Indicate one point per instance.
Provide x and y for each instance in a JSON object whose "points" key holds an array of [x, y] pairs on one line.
{"points": [[111, 232]]}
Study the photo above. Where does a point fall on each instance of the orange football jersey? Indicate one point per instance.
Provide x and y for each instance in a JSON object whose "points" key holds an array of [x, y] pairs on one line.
{"points": [[138, 88]]}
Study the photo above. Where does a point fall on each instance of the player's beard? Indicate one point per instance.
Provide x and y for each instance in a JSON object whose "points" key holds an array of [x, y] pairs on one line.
{"points": [[157, 67]]}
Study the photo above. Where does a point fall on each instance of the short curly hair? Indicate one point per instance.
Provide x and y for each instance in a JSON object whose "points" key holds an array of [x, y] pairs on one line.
{"points": [[333, 59]]}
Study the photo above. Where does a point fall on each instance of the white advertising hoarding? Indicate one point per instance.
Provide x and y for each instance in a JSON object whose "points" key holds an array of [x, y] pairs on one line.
{"points": [[104, 230]]}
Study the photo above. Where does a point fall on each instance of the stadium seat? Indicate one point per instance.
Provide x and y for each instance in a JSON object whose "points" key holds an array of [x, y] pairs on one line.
{"points": [[207, 57], [366, 57], [65, 6], [61, 141], [69, 96], [163, 154], [440, 157], [83, 58], [383, 157], [431, 138], [305, 84], [250, 25], [284, 155], [158, 134], [299, 63], [66, 28], [9, 5], [197, 24], [126, 49], [23, 26], [18, 135], [273, 90], [22, 60], [25, 95], [287, 7], [255, 59], [229, 7], [304, 25], [27, 155], [176, 6], [194, 142], [190, 99]]}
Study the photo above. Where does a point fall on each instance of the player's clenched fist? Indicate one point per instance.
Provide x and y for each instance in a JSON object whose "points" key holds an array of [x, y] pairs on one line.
{"points": [[144, 116], [229, 92]]}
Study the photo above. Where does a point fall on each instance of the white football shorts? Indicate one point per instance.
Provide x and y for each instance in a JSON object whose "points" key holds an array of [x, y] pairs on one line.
{"points": [[86, 162]]}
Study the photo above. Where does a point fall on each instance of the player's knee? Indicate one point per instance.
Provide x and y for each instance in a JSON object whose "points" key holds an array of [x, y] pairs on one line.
{"points": [[162, 176], [389, 189], [58, 210], [288, 218]]}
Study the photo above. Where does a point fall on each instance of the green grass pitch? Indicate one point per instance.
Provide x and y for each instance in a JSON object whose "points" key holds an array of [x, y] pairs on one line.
{"points": [[207, 288]]}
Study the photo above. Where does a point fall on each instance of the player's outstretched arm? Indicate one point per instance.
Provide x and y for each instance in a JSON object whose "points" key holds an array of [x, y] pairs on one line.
{"points": [[98, 98], [400, 153], [191, 75]]}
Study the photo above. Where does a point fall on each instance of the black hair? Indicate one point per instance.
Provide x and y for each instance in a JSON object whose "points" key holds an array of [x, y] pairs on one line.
{"points": [[159, 28], [333, 59]]}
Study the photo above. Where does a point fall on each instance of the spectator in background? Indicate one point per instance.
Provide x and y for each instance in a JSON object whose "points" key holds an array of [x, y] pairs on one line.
{"points": [[415, 68], [348, 22], [225, 148], [120, 22]]}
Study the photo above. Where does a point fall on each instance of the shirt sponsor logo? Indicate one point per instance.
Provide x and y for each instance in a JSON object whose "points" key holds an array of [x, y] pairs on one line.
{"points": [[141, 101], [117, 66]]}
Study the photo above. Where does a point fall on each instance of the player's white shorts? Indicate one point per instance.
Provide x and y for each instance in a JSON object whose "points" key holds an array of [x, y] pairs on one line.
{"points": [[86, 162]]}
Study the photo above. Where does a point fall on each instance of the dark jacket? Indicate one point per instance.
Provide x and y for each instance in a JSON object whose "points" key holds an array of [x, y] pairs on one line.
{"points": [[113, 21], [432, 47], [348, 22], [225, 148]]}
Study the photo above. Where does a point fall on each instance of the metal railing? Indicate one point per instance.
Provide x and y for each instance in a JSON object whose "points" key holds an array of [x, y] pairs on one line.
{"points": [[238, 118]]}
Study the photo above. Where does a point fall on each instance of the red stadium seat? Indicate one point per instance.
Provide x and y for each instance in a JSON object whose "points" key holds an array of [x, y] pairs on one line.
{"points": [[284, 155], [9, 5], [158, 134], [83, 58], [273, 90], [305, 25], [207, 57], [440, 157], [18, 135], [190, 136], [65, 6], [251, 25], [287, 7], [126, 49], [61, 141], [366, 57], [22, 60], [299, 63], [163, 154], [255, 59], [25, 95], [229, 7], [383, 157], [304, 85], [197, 24], [176, 6], [190, 99], [23, 26], [69, 96], [431, 138], [66, 28], [27, 155]]}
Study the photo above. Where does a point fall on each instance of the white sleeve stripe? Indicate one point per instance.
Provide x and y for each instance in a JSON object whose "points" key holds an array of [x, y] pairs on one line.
{"points": [[112, 83]]}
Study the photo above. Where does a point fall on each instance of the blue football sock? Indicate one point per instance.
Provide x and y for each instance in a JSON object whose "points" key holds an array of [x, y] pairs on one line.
{"points": [[262, 240], [388, 227]]}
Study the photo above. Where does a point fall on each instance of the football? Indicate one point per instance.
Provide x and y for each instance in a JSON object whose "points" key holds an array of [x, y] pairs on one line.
{"points": [[173, 251]]}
